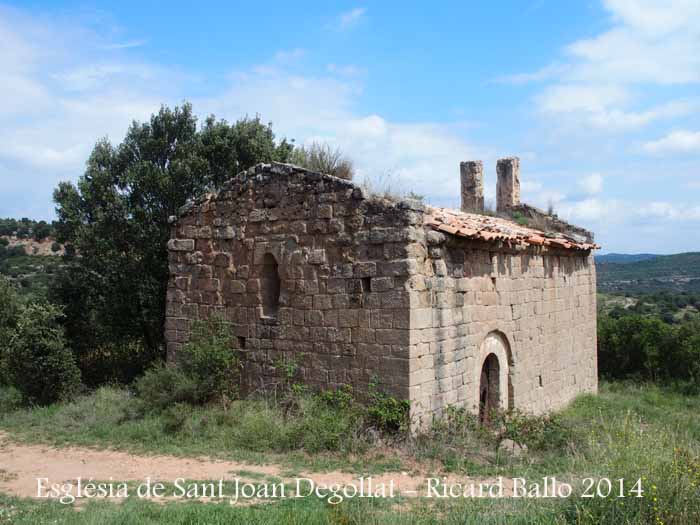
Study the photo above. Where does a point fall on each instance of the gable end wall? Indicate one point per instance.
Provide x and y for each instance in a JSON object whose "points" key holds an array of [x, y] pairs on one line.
{"points": [[344, 262], [542, 304]]}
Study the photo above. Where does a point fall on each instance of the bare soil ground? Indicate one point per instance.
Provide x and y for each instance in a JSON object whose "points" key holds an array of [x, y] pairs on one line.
{"points": [[34, 247], [22, 464]]}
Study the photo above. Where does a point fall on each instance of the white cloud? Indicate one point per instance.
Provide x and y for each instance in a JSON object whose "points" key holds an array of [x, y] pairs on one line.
{"points": [[348, 70], [680, 141], [60, 96], [125, 45], [591, 184], [655, 17], [670, 211], [57, 105], [604, 79], [530, 186], [546, 73], [586, 210], [350, 18], [425, 156], [599, 213]]}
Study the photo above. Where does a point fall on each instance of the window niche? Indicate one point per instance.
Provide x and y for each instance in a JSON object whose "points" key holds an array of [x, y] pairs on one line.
{"points": [[270, 286]]}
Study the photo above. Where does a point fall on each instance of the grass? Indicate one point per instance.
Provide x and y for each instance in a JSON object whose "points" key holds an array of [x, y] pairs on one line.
{"points": [[629, 431], [254, 431], [305, 511]]}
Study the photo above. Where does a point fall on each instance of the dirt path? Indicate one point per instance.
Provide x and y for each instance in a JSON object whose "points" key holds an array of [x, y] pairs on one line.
{"points": [[21, 465]]}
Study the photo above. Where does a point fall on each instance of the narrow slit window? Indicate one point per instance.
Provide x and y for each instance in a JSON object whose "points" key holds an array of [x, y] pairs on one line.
{"points": [[366, 285], [270, 286]]}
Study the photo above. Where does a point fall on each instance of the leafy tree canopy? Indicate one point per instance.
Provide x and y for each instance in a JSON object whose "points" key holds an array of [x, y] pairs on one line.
{"points": [[116, 219]]}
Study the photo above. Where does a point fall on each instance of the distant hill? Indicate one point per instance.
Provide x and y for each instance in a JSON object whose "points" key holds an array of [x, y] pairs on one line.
{"points": [[30, 264], [673, 273], [624, 257]]}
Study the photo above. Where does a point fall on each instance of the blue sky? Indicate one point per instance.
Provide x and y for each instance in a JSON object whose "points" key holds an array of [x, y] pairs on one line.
{"points": [[599, 99]]}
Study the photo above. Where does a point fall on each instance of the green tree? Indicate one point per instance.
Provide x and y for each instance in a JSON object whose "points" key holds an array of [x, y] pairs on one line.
{"points": [[42, 230], [633, 345], [38, 363], [116, 219], [10, 305]]}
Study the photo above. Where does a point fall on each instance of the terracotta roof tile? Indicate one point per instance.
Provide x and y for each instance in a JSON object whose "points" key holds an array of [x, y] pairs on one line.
{"points": [[487, 228]]}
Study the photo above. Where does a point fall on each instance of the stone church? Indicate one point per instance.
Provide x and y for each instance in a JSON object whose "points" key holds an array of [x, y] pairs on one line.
{"points": [[475, 308]]}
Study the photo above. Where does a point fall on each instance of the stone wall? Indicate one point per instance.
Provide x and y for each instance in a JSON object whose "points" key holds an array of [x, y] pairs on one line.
{"points": [[343, 259], [535, 309], [319, 278]]}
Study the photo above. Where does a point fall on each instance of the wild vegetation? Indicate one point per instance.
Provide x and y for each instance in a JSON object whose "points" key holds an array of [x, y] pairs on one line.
{"points": [[81, 363], [116, 218], [630, 431], [324, 159]]}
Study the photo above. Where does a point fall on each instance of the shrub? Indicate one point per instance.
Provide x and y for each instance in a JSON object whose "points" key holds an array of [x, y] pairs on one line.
{"points": [[4, 241], [324, 159], [643, 347], [114, 362], [207, 369], [38, 363], [387, 413], [547, 432], [55, 247], [164, 385], [519, 218], [10, 305], [340, 398], [10, 399], [632, 346], [210, 361], [174, 417]]}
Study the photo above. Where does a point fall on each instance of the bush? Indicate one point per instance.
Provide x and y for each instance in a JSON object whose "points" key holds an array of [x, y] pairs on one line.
{"points": [[546, 432], [10, 399], [324, 159], [642, 347], [340, 398], [164, 385], [38, 363], [174, 417], [111, 362], [210, 361], [207, 369], [387, 413], [10, 305]]}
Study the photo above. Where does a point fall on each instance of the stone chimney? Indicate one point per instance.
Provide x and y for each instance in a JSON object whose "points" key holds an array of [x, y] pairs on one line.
{"points": [[472, 179], [507, 184]]}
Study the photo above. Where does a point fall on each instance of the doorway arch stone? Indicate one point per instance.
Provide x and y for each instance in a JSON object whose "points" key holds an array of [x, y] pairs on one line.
{"points": [[494, 388]]}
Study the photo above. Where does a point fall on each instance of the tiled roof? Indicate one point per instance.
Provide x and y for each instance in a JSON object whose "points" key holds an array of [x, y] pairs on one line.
{"points": [[487, 228]]}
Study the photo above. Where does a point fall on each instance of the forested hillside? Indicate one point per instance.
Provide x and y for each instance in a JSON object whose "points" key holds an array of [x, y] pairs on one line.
{"points": [[673, 273]]}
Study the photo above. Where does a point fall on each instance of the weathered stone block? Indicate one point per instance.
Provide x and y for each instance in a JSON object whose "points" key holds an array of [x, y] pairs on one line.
{"points": [[181, 245]]}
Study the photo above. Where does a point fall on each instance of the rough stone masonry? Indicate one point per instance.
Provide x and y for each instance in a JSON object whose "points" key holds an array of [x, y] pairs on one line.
{"points": [[441, 307]]}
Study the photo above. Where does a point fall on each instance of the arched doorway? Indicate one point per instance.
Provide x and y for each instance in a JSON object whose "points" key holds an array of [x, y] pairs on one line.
{"points": [[489, 388], [493, 376]]}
